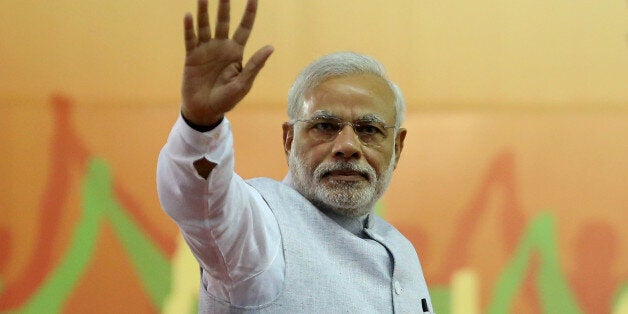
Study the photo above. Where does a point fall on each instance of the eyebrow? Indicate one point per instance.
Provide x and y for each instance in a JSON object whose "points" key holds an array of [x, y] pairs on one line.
{"points": [[369, 117], [323, 114]]}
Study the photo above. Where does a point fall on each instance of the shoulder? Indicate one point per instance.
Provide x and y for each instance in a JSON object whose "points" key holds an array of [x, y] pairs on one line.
{"points": [[391, 234], [275, 192], [267, 185]]}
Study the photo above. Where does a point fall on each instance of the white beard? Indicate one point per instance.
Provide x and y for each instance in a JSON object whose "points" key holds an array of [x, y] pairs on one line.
{"points": [[347, 198]]}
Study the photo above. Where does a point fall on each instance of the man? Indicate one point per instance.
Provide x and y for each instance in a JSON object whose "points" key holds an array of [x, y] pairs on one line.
{"points": [[312, 242]]}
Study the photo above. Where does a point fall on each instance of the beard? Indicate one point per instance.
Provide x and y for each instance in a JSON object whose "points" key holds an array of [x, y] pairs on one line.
{"points": [[347, 198]]}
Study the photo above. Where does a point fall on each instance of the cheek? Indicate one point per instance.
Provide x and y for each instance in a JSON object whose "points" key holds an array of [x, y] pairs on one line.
{"points": [[310, 155], [379, 160]]}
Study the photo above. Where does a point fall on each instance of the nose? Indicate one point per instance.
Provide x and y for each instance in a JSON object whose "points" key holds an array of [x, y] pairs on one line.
{"points": [[347, 145]]}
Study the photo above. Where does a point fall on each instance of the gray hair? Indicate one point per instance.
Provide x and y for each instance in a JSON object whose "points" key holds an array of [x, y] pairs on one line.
{"points": [[335, 65]]}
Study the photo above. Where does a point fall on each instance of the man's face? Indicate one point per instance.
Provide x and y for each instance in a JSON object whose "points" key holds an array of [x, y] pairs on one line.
{"points": [[345, 171]]}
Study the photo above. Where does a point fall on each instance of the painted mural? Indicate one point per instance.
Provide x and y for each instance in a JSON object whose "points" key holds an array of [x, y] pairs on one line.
{"points": [[95, 245]]}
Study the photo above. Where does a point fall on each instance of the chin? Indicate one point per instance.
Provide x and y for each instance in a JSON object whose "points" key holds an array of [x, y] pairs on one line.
{"points": [[347, 201], [343, 185], [343, 199]]}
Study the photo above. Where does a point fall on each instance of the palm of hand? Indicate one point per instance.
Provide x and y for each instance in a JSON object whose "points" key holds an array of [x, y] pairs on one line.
{"points": [[214, 80], [210, 78]]}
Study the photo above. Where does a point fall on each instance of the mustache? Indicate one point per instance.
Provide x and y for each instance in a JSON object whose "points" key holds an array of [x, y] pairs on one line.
{"points": [[325, 169]]}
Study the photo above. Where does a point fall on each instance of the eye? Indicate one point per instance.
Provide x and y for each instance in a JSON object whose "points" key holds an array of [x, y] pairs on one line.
{"points": [[368, 129], [325, 126]]}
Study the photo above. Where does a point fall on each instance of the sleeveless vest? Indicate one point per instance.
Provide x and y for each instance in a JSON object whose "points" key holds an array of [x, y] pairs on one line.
{"points": [[331, 270]]}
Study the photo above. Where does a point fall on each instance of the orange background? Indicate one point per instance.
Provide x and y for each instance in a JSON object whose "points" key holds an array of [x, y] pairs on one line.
{"points": [[514, 110]]}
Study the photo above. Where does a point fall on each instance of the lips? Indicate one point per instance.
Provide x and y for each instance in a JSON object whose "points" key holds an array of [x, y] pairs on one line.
{"points": [[346, 175]]}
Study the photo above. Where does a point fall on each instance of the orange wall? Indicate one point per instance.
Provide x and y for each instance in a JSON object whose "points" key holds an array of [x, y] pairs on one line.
{"points": [[443, 53], [518, 126]]}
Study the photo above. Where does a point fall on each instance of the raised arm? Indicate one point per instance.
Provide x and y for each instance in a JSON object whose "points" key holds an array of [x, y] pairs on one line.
{"points": [[214, 80], [226, 223]]}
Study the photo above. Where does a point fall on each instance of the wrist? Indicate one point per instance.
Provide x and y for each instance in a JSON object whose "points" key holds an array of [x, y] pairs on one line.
{"points": [[202, 127]]}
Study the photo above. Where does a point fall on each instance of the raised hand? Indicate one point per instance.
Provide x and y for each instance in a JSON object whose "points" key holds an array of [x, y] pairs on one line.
{"points": [[214, 80]]}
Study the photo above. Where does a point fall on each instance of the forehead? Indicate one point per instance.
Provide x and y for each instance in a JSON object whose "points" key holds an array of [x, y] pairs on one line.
{"points": [[352, 97]]}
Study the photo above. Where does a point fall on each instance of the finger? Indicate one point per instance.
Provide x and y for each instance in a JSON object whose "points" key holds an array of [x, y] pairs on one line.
{"points": [[188, 32], [222, 26], [246, 25], [204, 31], [254, 65]]}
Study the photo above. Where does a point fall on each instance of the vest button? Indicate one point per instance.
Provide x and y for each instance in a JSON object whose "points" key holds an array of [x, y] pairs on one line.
{"points": [[397, 287]]}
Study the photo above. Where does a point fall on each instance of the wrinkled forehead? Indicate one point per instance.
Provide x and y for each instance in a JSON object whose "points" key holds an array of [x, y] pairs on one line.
{"points": [[353, 97]]}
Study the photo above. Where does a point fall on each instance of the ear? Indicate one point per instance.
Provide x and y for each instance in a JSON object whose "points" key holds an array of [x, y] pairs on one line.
{"points": [[288, 136], [401, 136]]}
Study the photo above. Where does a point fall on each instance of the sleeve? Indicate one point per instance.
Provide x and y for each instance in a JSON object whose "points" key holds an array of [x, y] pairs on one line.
{"points": [[228, 226]]}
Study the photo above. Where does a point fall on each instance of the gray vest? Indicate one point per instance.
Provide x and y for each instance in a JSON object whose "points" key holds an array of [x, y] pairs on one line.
{"points": [[331, 270]]}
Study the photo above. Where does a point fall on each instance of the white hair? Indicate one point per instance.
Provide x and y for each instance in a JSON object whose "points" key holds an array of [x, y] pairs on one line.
{"points": [[335, 65]]}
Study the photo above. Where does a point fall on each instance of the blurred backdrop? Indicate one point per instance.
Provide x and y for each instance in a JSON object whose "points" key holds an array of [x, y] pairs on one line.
{"points": [[512, 184]]}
